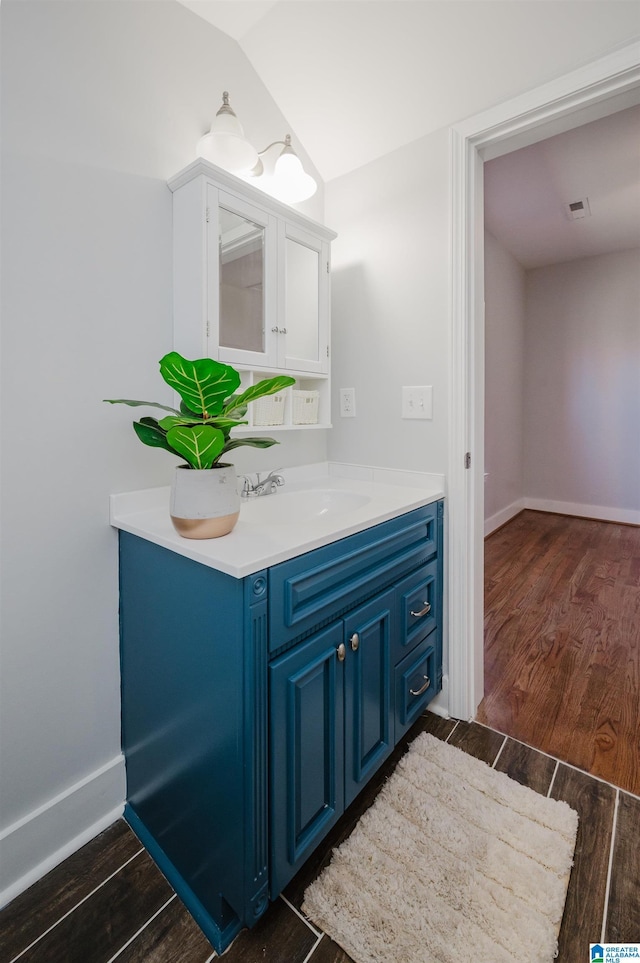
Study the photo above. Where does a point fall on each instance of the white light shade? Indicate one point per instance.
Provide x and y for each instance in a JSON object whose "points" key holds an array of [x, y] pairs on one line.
{"points": [[227, 151], [225, 144], [290, 182]]}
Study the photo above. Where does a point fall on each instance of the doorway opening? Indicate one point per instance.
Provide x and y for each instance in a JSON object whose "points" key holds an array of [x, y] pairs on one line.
{"points": [[608, 85], [562, 406]]}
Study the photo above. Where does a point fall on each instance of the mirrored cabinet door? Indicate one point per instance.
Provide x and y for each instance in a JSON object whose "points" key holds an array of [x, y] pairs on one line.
{"points": [[304, 310], [301, 300], [241, 265], [240, 302]]}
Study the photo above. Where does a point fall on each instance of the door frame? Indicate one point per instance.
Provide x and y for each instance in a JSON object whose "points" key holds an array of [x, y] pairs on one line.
{"points": [[596, 90]]}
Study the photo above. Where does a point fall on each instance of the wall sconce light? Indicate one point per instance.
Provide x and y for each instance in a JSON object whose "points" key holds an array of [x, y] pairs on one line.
{"points": [[226, 146], [289, 181]]}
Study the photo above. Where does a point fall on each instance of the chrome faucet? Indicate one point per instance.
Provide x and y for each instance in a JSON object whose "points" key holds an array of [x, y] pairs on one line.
{"points": [[266, 486]]}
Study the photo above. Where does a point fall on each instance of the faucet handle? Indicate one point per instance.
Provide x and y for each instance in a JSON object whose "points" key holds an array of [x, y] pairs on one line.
{"points": [[262, 486], [275, 476]]}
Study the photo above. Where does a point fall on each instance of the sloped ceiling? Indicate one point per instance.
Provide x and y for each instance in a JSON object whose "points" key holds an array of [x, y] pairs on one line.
{"points": [[234, 18], [358, 79]]}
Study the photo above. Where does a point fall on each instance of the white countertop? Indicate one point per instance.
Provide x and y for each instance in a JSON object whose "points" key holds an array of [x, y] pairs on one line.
{"points": [[257, 542]]}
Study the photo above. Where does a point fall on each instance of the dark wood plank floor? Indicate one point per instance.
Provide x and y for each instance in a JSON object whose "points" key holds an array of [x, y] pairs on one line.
{"points": [[108, 902], [562, 641]]}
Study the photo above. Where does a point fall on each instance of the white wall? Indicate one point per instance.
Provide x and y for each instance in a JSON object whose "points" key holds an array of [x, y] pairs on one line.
{"points": [[562, 355], [390, 281], [582, 387], [101, 102], [504, 374]]}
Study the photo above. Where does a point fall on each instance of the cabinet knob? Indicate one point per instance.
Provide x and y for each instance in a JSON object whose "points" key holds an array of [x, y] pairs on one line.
{"points": [[355, 642], [341, 650], [427, 683], [283, 330], [427, 608], [275, 330]]}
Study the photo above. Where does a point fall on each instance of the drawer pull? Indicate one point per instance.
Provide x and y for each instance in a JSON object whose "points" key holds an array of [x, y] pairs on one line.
{"points": [[424, 611], [341, 650], [355, 642], [427, 683]]}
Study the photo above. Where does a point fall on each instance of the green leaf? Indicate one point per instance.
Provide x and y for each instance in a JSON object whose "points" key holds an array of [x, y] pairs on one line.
{"points": [[252, 442], [224, 424], [148, 420], [203, 384], [172, 421], [200, 445], [239, 409], [138, 404], [150, 434], [268, 386]]}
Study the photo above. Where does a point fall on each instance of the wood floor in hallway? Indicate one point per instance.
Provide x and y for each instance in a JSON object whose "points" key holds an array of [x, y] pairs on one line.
{"points": [[562, 641]]}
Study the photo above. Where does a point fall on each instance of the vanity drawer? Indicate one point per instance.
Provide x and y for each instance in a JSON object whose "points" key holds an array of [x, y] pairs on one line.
{"points": [[416, 683], [312, 589], [417, 605]]}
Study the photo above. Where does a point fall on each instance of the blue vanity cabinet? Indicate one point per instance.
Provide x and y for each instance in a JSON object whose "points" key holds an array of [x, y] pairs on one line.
{"points": [[255, 709]]}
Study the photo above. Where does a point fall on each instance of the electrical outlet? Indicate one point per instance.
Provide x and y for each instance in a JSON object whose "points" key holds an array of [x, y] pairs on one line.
{"points": [[347, 402], [417, 402]]}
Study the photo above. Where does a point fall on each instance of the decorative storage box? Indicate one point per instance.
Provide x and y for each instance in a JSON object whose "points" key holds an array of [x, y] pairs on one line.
{"points": [[269, 410], [305, 407]]}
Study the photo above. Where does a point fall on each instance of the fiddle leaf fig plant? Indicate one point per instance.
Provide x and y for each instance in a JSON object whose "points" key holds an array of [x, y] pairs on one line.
{"points": [[200, 430]]}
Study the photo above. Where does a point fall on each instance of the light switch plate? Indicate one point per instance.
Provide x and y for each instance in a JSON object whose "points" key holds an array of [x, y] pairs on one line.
{"points": [[417, 401]]}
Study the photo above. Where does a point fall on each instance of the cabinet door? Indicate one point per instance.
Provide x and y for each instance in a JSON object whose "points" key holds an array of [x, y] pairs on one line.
{"points": [[303, 338], [306, 748], [368, 720], [242, 302]]}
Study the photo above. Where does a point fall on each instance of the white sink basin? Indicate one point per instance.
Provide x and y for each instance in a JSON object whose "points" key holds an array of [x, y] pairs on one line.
{"points": [[294, 507]]}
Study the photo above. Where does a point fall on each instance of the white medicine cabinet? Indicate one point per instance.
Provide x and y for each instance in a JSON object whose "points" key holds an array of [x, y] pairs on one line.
{"points": [[251, 288]]}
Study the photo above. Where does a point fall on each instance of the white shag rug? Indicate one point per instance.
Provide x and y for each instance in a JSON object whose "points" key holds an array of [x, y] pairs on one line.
{"points": [[454, 862]]}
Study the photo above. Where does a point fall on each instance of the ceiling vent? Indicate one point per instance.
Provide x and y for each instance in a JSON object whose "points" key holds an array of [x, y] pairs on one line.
{"points": [[576, 210]]}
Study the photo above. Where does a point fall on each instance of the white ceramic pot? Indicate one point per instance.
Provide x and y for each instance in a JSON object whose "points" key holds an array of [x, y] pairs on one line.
{"points": [[205, 503]]}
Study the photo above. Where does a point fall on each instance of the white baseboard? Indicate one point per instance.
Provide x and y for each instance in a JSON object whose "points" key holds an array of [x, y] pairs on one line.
{"points": [[440, 705], [503, 516], [624, 516], [42, 839]]}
